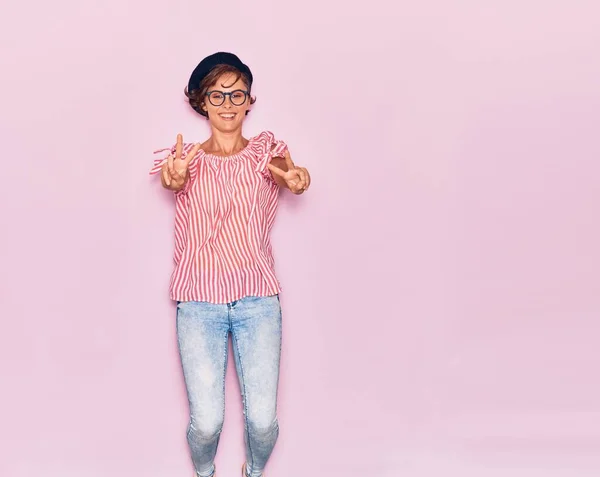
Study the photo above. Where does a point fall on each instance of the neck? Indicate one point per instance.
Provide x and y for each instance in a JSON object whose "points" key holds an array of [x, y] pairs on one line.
{"points": [[226, 143]]}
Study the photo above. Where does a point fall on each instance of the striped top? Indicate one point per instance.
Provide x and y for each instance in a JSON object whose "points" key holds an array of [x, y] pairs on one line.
{"points": [[223, 219]]}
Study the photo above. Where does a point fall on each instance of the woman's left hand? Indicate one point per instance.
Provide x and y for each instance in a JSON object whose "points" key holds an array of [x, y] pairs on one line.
{"points": [[297, 179]]}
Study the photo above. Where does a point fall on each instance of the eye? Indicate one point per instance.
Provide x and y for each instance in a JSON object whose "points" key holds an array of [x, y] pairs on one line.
{"points": [[216, 95], [238, 94]]}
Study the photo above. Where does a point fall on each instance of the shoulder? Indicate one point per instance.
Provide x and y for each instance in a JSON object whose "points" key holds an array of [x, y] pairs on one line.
{"points": [[264, 142], [264, 137]]}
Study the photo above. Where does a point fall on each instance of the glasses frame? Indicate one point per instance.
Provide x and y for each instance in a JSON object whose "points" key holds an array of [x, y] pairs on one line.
{"points": [[246, 94]]}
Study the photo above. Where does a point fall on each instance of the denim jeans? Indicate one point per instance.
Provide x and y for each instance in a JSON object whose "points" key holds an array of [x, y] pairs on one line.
{"points": [[202, 332]]}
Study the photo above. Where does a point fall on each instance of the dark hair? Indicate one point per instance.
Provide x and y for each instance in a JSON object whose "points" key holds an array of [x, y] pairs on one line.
{"points": [[197, 96]]}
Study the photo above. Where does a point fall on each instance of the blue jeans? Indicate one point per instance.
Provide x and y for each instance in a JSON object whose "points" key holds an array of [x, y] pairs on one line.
{"points": [[202, 333]]}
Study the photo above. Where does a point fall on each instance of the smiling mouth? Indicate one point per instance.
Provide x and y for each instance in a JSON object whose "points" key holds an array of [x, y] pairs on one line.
{"points": [[227, 116]]}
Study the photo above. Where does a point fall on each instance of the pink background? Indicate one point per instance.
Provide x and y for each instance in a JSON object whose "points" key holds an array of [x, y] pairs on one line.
{"points": [[442, 290]]}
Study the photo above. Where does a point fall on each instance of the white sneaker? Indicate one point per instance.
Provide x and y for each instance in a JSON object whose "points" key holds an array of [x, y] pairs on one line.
{"points": [[244, 474]]}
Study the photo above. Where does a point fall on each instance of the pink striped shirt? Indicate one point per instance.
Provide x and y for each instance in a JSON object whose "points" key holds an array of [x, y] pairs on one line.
{"points": [[223, 219]]}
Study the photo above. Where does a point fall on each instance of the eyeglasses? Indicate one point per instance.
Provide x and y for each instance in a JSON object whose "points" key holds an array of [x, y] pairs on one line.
{"points": [[237, 97]]}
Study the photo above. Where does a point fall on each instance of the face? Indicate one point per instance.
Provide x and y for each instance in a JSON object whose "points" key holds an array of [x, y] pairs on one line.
{"points": [[227, 103]]}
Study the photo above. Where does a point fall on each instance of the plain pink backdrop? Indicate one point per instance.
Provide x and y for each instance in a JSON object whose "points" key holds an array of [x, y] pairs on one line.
{"points": [[442, 289]]}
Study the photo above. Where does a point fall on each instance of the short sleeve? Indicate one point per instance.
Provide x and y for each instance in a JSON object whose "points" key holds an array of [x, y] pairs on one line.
{"points": [[267, 147], [192, 171]]}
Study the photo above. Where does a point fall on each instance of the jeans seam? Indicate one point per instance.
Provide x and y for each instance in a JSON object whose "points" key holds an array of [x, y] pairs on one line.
{"points": [[224, 373], [245, 401]]}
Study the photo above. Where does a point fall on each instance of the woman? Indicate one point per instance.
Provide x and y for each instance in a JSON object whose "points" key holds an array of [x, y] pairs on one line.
{"points": [[224, 280]]}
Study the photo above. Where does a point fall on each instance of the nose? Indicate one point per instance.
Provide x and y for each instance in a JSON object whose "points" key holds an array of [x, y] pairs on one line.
{"points": [[228, 103]]}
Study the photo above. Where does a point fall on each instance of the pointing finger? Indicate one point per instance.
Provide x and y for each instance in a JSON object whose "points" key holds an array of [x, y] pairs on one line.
{"points": [[179, 146], [190, 155], [288, 160], [276, 170]]}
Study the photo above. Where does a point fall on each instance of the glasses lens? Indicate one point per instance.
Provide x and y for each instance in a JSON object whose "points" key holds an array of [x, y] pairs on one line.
{"points": [[238, 97], [216, 98]]}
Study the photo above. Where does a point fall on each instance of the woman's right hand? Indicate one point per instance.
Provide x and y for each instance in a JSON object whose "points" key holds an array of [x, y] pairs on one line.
{"points": [[175, 170]]}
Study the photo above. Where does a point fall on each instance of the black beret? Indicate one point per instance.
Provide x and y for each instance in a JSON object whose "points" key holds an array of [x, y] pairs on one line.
{"points": [[208, 63]]}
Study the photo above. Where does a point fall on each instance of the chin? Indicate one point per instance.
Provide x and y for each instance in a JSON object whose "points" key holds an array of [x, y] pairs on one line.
{"points": [[227, 126]]}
